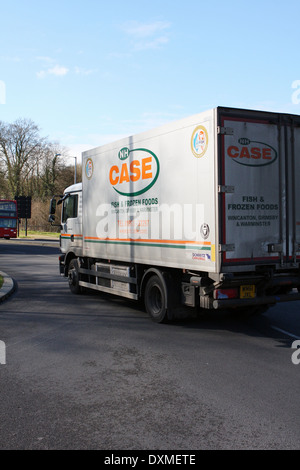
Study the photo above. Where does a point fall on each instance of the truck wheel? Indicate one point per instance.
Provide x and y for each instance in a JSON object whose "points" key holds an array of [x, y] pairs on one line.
{"points": [[73, 277], [155, 299]]}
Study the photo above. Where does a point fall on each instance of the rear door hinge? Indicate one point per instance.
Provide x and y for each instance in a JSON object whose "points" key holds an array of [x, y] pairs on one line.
{"points": [[275, 248], [225, 189], [227, 247], [224, 130]]}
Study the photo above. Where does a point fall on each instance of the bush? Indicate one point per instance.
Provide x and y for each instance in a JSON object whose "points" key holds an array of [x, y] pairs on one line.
{"points": [[39, 218]]}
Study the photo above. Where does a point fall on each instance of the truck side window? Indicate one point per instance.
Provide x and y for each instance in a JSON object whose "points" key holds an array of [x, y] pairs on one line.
{"points": [[70, 208]]}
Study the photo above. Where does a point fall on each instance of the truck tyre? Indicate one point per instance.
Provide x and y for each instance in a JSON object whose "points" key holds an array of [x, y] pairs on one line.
{"points": [[73, 277], [155, 299]]}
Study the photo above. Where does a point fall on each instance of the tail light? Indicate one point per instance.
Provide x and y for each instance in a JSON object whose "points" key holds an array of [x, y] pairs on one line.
{"points": [[230, 293]]}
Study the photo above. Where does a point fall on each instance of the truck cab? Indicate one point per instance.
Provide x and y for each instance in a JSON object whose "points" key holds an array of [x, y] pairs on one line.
{"points": [[71, 223], [71, 219]]}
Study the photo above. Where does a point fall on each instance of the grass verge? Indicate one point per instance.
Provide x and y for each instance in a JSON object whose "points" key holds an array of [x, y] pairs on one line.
{"points": [[36, 234]]}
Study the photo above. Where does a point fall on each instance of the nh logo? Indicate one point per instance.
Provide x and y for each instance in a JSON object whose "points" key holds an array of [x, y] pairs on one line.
{"points": [[2, 353], [124, 153]]}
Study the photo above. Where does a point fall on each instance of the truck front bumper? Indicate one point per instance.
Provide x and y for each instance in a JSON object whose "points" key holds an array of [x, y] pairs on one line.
{"points": [[62, 265]]}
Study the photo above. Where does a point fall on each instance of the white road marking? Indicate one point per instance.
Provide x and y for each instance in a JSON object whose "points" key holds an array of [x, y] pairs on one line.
{"points": [[285, 332]]}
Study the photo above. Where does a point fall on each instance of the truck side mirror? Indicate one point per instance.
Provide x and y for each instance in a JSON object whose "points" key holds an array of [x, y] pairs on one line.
{"points": [[52, 206], [52, 210]]}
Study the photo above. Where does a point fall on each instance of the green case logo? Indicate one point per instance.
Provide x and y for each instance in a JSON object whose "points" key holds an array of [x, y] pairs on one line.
{"points": [[137, 174]]}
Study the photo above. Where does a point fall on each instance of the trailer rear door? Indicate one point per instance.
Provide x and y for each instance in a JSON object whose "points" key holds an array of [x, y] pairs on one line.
{"points": [[259, 191]]}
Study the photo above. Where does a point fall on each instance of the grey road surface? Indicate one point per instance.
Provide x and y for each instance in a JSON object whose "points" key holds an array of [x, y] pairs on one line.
{"points": [[94, 372]]}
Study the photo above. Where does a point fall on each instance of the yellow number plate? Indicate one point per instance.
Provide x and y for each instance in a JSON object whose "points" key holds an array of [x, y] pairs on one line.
{"points": [[247, 292]]}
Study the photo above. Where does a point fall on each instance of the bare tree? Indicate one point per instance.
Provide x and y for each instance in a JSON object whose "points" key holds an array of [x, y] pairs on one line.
{"points": [[21, 150], [3, 184], [42, 179], [31, 165]]}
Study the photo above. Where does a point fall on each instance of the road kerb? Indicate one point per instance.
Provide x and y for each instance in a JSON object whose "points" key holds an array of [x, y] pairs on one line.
{"points": [[8, 286]]}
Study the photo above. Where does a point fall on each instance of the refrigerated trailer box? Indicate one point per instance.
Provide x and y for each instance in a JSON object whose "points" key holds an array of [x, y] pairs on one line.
{"points": [[202, 212]]}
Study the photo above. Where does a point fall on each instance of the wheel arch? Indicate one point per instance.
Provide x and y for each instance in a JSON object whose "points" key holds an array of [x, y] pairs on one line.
{"points": [[68, 258], [147, 275], [170, 283]]}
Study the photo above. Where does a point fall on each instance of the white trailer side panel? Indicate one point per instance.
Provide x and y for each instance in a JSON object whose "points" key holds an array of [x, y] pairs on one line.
{"points": [[151, 198]]}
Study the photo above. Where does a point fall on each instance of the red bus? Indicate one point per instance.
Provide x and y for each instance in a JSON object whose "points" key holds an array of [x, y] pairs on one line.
{"points": [[8, 218]]}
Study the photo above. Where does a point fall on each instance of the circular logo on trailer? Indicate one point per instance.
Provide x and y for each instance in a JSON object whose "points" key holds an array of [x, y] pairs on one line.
{"points": [[199, 141], [89, 168], [204, 230]]}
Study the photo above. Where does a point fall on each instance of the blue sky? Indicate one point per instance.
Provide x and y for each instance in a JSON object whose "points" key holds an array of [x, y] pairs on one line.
{"points": [[89, 72]]}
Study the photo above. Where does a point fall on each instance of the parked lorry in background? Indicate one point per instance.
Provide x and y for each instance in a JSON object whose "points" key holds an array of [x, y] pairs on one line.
{"points": [[203, 212]]}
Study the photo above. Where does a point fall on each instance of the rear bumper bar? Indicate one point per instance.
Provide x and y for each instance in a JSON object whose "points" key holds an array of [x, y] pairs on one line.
{"points": [[266, 300]]}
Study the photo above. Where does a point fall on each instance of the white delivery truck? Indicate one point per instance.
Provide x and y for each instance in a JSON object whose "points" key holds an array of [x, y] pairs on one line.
{"points": [[203, 212]]}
